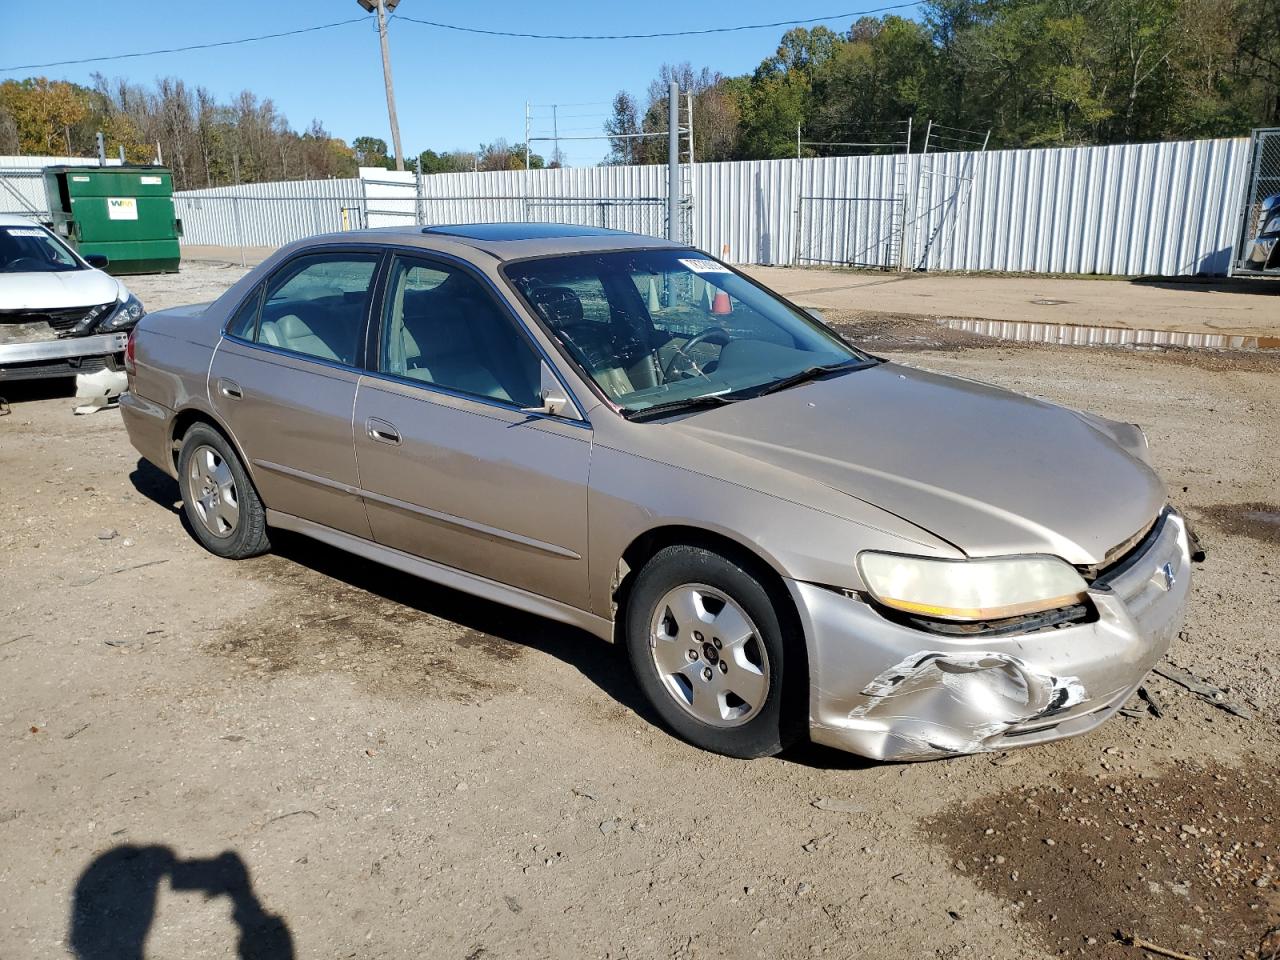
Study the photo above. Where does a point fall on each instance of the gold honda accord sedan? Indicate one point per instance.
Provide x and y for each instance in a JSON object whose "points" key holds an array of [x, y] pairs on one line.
{"points": [[792, 537]]}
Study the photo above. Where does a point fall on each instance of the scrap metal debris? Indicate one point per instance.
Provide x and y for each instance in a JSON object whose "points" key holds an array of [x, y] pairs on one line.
{"points": [[837, 805], [1152, 703], [1134, 941], [85, 581], [1202, 689], [1269, 948]]}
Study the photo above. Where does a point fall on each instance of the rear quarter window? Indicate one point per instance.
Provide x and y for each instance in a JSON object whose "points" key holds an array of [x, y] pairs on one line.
{"points": [[244, 323]]}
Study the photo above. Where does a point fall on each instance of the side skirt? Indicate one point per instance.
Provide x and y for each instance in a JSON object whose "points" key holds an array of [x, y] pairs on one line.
{"points": [[446, 576]]}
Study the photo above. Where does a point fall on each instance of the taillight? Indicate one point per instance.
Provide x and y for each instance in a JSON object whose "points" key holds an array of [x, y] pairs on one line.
{"points": [[130, 366]]}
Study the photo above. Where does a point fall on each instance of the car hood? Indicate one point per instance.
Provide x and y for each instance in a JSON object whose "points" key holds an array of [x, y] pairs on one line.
{"points": [[989, 471], [54, 291]]}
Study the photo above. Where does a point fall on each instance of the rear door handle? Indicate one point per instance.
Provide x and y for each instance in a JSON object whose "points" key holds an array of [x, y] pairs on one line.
{"points": [[229, 388], [382, 431]]}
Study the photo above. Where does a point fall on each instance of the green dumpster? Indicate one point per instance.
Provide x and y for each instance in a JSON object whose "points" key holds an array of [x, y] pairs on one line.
{"points": [[124, 213]]}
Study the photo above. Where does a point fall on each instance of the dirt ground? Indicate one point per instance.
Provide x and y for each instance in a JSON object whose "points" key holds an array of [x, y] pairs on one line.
{"points": [[306, 755]]}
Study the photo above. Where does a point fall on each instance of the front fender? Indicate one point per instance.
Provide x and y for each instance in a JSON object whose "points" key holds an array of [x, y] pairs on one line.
{"points": [[630, 496]]}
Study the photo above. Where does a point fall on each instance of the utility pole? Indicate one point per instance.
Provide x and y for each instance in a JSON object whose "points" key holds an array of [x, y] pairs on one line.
{"points": [[382, 6], [673, 161], [555, 132]]}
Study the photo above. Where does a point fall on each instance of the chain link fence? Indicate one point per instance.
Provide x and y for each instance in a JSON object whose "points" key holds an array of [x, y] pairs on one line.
{"points": [[1257, 248], [22, 193]]}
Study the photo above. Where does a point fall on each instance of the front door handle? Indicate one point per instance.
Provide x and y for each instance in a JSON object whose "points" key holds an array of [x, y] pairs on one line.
{"points": [[230, 389], [382, 431]]}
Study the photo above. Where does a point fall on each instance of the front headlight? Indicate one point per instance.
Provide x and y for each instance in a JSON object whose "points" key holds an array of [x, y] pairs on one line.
{"points": [[969, 590], [127, 312]]}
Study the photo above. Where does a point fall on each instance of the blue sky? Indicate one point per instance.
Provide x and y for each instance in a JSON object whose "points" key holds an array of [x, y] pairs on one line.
{"points": [[453, 90]]}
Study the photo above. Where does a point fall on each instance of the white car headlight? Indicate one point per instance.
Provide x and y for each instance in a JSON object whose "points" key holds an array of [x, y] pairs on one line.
{"points": [[969, 590], [128, 312]]}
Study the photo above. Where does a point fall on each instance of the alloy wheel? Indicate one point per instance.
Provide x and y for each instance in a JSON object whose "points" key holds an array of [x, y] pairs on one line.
{"points": [[212, 489], [709, 655]]}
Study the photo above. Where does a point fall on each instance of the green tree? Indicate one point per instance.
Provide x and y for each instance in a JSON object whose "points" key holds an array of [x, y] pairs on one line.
{"points": [[372, 152]]}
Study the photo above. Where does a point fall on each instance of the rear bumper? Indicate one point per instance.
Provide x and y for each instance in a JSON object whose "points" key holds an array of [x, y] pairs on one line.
{"points": [[891, 692], [148, 426]]}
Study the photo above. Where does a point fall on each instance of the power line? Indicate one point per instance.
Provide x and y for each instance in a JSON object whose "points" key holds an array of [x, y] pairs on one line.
{"points": [[651, 36], [461, 29], [194, 46]]}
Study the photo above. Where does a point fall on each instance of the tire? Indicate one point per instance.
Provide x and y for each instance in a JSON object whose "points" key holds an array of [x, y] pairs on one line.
{"points": [[734, 698], [218, 499]]}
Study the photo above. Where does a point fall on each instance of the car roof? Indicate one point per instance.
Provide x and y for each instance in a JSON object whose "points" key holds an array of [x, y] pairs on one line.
{"points": [[515, 241], [13, 220]]}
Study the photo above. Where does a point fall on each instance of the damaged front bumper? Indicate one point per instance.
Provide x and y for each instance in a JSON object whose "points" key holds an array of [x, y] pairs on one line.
{"points": [[894, 692], [82, 357]]}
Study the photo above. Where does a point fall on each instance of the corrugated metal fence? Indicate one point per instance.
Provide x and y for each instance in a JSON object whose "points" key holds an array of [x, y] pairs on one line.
{"points": [[1159, 209], [269, 214]]}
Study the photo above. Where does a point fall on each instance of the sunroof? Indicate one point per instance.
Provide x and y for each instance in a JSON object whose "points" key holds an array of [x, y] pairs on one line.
{"points": [[519, 231]]}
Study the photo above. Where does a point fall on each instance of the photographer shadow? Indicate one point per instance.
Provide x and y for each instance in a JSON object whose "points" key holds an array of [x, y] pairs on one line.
{"points": [[115, 902]]}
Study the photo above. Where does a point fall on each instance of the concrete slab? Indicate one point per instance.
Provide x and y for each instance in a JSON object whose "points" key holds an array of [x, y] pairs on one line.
{"points": [[247, 256]]}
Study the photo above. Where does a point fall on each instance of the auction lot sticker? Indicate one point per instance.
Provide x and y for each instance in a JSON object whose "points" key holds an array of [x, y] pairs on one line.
{"points": [[705, 266], [122, 208]]}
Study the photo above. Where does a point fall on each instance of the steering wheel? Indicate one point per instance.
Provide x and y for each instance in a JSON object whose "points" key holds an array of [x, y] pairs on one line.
{"points": [[710, 335]]}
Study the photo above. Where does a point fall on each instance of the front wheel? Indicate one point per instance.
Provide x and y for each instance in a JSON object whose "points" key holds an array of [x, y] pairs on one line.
{"points": [[706, 644], [219, 500]]}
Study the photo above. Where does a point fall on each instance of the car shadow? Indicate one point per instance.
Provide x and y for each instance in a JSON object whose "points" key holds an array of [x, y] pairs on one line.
{"points": [[156, 485], [1258, 285], [816, 756], [604, 664], [114, 903], [25, 391]]}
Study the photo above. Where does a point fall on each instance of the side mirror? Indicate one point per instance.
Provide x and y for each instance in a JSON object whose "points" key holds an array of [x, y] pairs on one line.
{"points": [[555, 399], [97, 260], [816, 314]]}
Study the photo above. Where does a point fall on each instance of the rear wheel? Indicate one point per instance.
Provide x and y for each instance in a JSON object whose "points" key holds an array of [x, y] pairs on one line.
{"points": [[218, 498], [705, 640]]}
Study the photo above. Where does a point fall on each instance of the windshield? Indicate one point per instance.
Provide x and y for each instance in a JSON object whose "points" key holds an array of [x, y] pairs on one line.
{"points": [[655, 328], [34, 250]]}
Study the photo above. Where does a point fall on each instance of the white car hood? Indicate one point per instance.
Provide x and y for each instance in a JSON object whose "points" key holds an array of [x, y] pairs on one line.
{"points": [[55, 291]]}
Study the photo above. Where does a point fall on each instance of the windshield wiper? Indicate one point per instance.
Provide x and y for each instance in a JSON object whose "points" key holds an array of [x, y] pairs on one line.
{"points": [[678, 406], [811, 373]]}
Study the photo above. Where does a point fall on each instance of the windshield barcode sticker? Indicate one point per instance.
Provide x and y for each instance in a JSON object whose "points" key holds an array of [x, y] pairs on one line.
{"points": [[25, 232], [705, 266]]}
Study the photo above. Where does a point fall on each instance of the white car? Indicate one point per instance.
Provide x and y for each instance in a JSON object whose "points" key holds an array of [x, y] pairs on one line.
{"points": [[60, 315]]}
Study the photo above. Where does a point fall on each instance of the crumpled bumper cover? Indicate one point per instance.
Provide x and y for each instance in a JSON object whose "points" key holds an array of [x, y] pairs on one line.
{"points": [[892, 692]]}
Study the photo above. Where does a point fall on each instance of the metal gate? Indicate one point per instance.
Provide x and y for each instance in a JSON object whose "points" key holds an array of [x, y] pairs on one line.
{"points": [[647, 215], [1260, 204], [850, 231], [22, 192]]}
